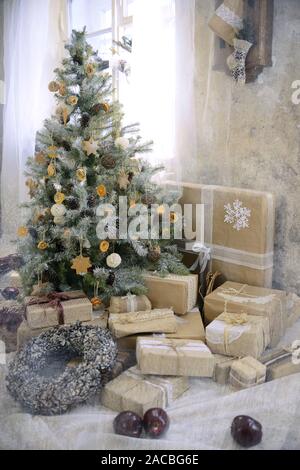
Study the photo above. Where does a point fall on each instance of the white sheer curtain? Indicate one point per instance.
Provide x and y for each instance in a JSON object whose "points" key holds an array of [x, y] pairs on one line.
{"points": [[162, 80], [34, 34]]}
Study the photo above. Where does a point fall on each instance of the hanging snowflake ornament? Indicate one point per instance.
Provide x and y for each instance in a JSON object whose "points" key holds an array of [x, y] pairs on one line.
{"points": [[237, 215]]}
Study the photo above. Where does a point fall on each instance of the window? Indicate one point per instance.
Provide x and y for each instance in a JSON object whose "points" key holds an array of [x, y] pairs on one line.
{"points": [[106, 21], [147, 93]]}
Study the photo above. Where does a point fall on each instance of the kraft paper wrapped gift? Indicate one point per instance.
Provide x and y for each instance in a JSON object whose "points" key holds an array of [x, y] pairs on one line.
{"points": [[247, 372], [228, 20], [237, 335], [173, 291], [25, 333], [58, 308], [293, 309], [150, 321], [222, 368], [138, 393], [129, 303], [239, 229], [189, 326], [281, 363], [258, 301], [125, 360], [162, 356]]}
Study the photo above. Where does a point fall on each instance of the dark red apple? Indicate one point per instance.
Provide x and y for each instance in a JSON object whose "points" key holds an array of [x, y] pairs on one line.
{"points": [[156, 422], [246, 431], [128, 424]]}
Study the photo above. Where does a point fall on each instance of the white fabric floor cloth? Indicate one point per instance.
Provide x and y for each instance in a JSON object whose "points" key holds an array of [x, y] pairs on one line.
{"points": [[200, 419]]}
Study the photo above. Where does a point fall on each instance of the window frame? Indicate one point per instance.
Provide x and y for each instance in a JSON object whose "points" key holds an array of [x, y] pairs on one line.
{"points": [[118, 21]]}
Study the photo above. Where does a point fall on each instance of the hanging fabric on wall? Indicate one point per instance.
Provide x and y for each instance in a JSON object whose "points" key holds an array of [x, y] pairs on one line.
{"points": [[237, 60], [34, 34], [228, 20]]}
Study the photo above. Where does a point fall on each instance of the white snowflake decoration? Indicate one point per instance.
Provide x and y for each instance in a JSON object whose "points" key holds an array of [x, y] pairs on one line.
{"points": [[237, 215]]}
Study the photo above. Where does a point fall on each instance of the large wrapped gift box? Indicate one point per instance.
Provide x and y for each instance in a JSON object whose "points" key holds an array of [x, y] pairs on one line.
{"points": [[281, 363], [129, 303], [228, 20], [247, 372], [25, 332], [256, 301], [138, 393], [238, 335], [164, 356], [150, 321], [189, 326], [57, 308], [173, 291], [222, 368], [239, 229]]}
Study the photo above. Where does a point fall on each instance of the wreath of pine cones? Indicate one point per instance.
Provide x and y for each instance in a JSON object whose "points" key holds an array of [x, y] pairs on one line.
{"points": [[44, 395]]}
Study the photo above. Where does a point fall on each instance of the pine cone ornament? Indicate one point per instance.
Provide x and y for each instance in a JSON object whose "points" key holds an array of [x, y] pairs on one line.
{"points": [[66, 145], [154, 254], [85, 119], [111, 279], [78, 59], [87, 213], [108, 162], [92, 200], [72, 203], [148, 199]]}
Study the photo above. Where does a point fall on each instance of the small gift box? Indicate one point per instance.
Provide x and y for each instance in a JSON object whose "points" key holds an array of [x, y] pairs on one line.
{"points": [[129, 303], [238, 335], [125, 360], [164, 356], [258, 301], [138, 393], [58, 308], [247, 372], [281, 363], [222, 368], [150, 321], [189, 326], [98, 319], [173, 291]]}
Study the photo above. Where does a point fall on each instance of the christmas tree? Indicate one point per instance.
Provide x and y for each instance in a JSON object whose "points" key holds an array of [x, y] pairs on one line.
{"points": [[84, 158]]}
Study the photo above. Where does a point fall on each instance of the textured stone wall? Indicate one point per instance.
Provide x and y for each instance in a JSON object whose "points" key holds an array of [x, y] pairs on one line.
{"points": [[249, 137]]}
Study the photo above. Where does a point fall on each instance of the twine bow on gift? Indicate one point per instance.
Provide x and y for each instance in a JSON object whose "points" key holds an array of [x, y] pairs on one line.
{"points": [[235, 318], [232, 319]]}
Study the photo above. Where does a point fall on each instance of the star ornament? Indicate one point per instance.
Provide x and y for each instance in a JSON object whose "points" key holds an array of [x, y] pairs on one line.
{"points": [[90, 147], [123, 180], [81, 264]]}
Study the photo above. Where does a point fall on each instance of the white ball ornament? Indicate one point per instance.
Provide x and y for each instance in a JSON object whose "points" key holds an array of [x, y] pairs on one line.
{"points": [[122, 142], [58, 210], [113, 260]]}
